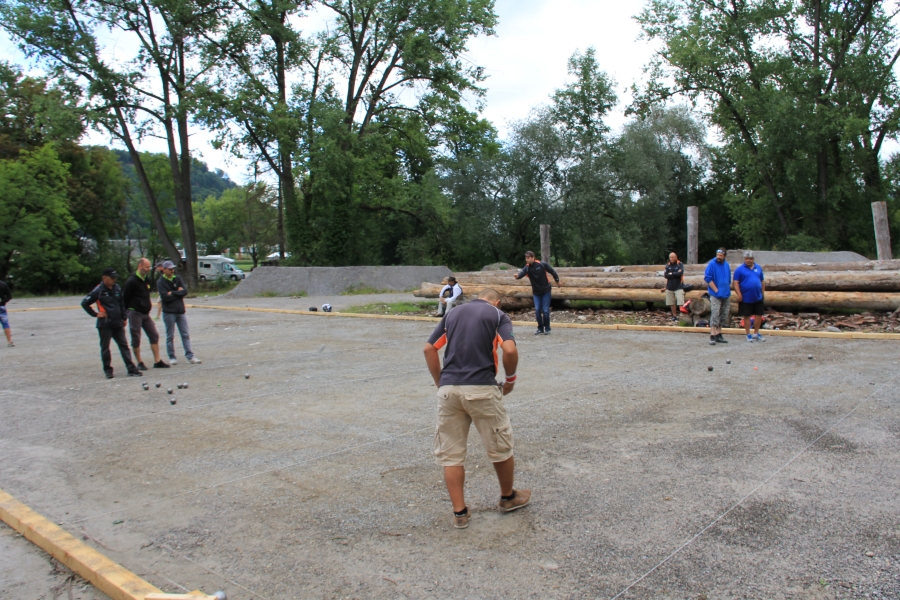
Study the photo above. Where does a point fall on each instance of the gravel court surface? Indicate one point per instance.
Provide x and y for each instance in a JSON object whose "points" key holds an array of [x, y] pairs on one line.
{"points": [[314, 477]]}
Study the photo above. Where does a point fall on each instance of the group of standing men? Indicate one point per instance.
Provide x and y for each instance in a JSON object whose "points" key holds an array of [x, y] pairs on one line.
{"points": [[748, 283], [130, 306]]}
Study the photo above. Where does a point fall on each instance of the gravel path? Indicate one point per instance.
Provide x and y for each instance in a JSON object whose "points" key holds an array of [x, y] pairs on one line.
{"points": [[314, 478]]}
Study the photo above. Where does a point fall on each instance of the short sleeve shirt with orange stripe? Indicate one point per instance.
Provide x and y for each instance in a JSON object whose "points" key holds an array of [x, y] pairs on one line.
{"points": [[471, 334]]}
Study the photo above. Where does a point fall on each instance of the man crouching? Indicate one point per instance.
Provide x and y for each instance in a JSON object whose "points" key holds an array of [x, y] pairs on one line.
{"points": [[468, 392]]}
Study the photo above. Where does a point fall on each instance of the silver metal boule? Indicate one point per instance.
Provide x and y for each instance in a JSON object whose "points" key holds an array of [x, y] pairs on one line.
{"points": [[172, 401], [728, 361], [246, 375], [220, 595], [169, 390], [158, 384], [709, 368]]}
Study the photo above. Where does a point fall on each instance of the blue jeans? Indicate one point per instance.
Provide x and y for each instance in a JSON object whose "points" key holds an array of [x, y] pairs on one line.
{"points": [[542, 311], [171, 321]]}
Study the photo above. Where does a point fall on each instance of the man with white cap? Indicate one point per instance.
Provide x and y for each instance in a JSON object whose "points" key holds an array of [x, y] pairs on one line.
{"points": [[172, 291], [750, 287]]}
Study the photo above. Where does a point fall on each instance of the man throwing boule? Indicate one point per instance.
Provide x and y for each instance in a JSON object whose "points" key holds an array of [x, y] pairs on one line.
{"points": [[468, 392], [538, 273]]}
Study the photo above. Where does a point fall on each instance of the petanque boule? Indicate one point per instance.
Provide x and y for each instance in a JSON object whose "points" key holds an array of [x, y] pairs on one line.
{"points": [[178, 385], [709, 368], [173, 400], [158, 385], [246, 375], [184, 385], [169, 390], [727, 361], [809, 357]]}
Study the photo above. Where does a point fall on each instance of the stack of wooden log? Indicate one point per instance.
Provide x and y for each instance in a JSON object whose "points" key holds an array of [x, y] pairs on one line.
{"points": [[872, 285]]}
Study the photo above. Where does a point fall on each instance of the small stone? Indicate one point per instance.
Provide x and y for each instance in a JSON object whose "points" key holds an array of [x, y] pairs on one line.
{"points": [[870, 554], [833, 329], [709, 368]]}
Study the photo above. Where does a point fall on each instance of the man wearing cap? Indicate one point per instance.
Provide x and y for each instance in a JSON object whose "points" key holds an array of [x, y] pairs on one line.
{"points": [[468, 392], [171, 293], [750, 287], [136, 294], [718, 278], [110, 315], [450, 294]]}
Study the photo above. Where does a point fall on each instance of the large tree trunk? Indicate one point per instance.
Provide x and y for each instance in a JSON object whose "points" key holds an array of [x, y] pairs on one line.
{"points": [[858, 281], [821, 300]]}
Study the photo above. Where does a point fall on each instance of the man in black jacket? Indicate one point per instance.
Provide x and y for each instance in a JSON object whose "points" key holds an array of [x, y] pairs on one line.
{"points": [[172, 291], [5, 296], [136, 295], [538, 274], [110, 320], [674, 275]]}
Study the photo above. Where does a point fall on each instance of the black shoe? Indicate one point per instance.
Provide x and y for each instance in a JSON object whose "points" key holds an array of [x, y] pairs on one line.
{"points": [[720, 339], [160, 365], [142, 366], [109, 374], [712, 340], [539, 332], [135, 373], [547, 331]]}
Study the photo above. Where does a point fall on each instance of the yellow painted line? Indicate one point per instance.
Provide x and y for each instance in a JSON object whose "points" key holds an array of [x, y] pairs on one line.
{"points": [[110, 578], [42, 308], [660, 328]]}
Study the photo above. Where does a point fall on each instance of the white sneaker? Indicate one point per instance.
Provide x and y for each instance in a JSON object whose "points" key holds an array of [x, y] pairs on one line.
{"points": [[173, 362], [195, 361], [760, 338]]}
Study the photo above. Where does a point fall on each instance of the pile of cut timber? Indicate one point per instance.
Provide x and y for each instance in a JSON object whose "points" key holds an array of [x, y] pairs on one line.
{"points": [[873, 285]]}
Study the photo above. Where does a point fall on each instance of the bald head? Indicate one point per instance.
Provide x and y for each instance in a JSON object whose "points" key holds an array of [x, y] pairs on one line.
{"points": [[490, 296], [143, 267], [673, 258]]}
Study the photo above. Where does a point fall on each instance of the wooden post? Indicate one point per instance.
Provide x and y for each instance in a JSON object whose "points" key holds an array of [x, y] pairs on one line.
{"points": [[545, 244], [693, 235], [882, 230]]}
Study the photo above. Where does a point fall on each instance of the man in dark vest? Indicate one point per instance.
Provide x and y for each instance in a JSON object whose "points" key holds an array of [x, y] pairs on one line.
{"points": [[538, 273], [136, 293], [110, 315]]}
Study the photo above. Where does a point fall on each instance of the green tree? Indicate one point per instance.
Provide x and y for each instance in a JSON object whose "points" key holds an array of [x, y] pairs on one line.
{"points": [[37, 232], [152, 93], [804, 94]]}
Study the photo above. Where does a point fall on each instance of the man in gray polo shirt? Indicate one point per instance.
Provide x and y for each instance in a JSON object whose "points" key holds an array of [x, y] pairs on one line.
{"points": [[468, 392]]}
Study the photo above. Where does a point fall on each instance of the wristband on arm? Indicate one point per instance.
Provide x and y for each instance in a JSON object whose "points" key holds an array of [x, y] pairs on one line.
{"points": [[511, 378]]}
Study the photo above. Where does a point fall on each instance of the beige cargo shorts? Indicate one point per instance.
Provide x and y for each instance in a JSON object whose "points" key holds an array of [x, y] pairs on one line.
{"points": [[461, 405], [674, 297]]}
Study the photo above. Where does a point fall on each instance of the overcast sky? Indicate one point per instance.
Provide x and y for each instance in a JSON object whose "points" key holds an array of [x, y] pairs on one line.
{"points": [[525, 60]]}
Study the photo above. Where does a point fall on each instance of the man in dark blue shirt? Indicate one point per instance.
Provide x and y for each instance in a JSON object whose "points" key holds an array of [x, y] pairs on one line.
{"points": [[538, 273], [750, 288]]}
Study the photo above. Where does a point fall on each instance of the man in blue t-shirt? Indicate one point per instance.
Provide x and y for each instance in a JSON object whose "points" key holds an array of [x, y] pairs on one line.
{"points": [[750, 287], [718, 281]]}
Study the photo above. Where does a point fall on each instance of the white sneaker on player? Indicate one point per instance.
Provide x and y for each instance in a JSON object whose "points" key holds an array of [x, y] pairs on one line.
{"points": [[195, 361]]}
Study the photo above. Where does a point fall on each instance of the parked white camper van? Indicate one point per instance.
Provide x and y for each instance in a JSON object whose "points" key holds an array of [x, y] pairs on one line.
{"points": [[218, 267]]}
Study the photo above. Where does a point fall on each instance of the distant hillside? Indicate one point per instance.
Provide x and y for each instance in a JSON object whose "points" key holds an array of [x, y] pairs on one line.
{"points": [[204, 182]]}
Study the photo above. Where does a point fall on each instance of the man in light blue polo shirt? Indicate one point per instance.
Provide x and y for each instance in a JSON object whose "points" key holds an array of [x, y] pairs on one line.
{"points": [[718, 280], [750, 287]]}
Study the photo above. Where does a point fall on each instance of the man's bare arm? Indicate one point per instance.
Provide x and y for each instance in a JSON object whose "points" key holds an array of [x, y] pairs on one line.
{"points": [[434, 363], [510, 362]]}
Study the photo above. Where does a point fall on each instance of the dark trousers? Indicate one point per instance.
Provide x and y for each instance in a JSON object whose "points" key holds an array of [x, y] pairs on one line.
{"points": [[118, 334], [542, 311]]}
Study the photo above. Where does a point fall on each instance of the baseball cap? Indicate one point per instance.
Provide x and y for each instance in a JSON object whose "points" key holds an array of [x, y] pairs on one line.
{"points": [[168, 265], [110, 272]]}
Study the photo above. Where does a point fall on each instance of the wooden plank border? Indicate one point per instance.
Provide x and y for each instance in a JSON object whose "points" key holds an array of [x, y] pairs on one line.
{"points": [[661, 328]]}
